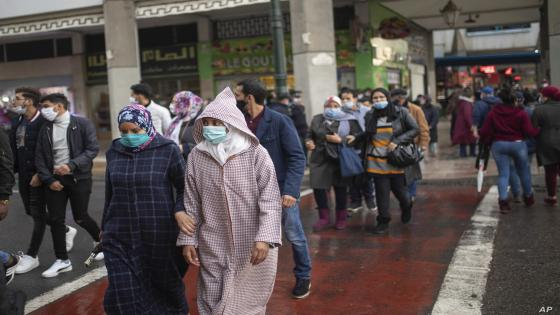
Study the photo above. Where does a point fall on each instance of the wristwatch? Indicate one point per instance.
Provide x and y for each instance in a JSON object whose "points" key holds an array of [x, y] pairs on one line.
{"points": [[4, 202]]}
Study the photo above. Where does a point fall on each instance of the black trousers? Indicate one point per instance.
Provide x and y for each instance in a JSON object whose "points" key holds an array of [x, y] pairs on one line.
{"points": [[78, 192], [34, 203], [384, 184], [322, 199], [362, 186]]}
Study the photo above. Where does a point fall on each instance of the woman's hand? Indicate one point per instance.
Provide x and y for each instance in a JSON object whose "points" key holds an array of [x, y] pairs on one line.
{"points": [[185, 222], [259, 252], [191, 255], [334, 138], [350, 139], [35, 181], [310, 145], [392, 146]]}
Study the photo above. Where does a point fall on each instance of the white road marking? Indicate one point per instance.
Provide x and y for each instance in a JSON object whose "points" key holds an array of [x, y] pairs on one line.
{"points": [[464, 285], [65, 289]]}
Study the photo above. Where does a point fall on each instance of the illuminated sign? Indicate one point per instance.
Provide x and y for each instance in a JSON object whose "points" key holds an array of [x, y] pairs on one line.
{"points": [[488, 69], [508, 71]]}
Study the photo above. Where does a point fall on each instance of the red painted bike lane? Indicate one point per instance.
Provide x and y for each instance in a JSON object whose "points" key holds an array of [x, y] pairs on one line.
{"points": [[354, 272]]}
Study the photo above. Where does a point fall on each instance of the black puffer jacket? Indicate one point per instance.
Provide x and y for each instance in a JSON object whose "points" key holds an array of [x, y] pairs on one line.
{"points": [[82, 142], [6, 166]]}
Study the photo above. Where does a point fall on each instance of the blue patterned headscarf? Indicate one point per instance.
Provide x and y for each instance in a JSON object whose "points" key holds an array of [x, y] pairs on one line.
{"points": [[139, 115]]}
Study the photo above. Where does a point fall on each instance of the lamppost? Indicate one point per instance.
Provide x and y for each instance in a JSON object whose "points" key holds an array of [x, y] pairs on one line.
{"points": [[280, 76]]}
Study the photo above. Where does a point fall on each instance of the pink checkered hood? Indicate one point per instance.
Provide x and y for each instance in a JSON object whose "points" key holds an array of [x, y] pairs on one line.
{"points": [[224, 108]]}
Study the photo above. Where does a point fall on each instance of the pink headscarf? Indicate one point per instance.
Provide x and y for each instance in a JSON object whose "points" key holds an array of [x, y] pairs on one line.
{"points": [[185, 105]]}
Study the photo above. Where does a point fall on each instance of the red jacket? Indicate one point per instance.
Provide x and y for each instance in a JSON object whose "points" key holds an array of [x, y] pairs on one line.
{"points": [[507, 123]]}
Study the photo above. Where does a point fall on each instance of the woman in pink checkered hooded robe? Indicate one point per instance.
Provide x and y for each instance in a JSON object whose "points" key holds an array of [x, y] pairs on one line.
{"points": [[232, 194]]}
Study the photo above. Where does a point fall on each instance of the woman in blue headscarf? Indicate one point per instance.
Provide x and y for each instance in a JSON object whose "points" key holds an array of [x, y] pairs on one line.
{"points": [[144, 192], [326, 132]]}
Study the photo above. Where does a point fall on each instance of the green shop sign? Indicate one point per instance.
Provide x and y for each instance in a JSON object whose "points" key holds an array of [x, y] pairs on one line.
{"points": [[255, 55], [180, 59], [246, 56]]}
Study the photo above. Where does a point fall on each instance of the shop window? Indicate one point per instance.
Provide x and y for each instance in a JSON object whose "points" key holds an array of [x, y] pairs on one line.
{"points": [[30, 50], [156, 36], [95, 42], [342, 17], [64, 47], [246, 27], [2, 59], [187, 33]]}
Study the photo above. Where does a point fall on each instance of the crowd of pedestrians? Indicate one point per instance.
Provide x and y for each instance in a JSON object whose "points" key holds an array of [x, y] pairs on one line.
{"points": [[215, 186]]}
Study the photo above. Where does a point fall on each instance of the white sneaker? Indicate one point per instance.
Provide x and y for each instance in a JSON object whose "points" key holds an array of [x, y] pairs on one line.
{"points": [[70, 238], [26, 263], [59, 266], [99, 256]]}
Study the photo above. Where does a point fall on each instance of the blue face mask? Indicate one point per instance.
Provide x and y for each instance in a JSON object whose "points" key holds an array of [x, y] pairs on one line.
{"points": [[334, 113], [380, 105], [132, 140], [214, 134]]}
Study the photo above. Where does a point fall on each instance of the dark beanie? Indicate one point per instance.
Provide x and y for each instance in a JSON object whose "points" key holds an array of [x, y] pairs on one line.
{"points": [[398, 92]]}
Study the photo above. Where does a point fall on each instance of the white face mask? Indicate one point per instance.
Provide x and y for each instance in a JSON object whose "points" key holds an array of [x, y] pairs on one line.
{"points": [[132, 100], [172, 108], [49, 113], [348, 105], [20, 110]]}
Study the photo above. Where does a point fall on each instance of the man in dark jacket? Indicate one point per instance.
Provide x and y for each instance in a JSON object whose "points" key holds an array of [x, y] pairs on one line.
{"points": [[24, 141], [482, 107], [7, 260], [296, 112], [277, 134], [11, 301], [65, 151]]}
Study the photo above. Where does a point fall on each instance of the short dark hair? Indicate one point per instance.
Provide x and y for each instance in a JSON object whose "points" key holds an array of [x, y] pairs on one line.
{"points": [[33, 94], [346, 90], [255, 88], [507, 95], [142, 89], [56, 98]]}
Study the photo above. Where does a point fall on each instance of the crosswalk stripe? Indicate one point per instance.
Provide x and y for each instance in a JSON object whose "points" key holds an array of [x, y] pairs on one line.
{"points": [[464, 284]]}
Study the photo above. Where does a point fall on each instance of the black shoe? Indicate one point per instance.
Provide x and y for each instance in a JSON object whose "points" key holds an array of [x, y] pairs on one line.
{"points": [[302, 289], [381, 229], [406, 216], [370, 204]]}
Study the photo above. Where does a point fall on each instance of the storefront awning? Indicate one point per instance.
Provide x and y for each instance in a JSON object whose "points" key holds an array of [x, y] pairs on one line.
{"points": [[513, 58]]}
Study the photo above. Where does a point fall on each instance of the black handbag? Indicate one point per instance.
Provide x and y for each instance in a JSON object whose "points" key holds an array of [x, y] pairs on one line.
{"points": [[405, 155]]}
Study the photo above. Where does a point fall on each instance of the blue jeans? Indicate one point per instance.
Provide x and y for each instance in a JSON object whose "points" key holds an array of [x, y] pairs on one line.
{"points": [[504, 152], [412, 189], [4, 257], [293, 230]]}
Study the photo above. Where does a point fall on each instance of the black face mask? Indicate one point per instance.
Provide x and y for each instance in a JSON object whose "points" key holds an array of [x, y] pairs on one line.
{"points": [[242, 105], [396, 103]]}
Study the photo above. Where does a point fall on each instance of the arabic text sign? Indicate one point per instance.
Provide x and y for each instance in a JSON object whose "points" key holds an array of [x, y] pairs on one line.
{"points": [[181, 59]]}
